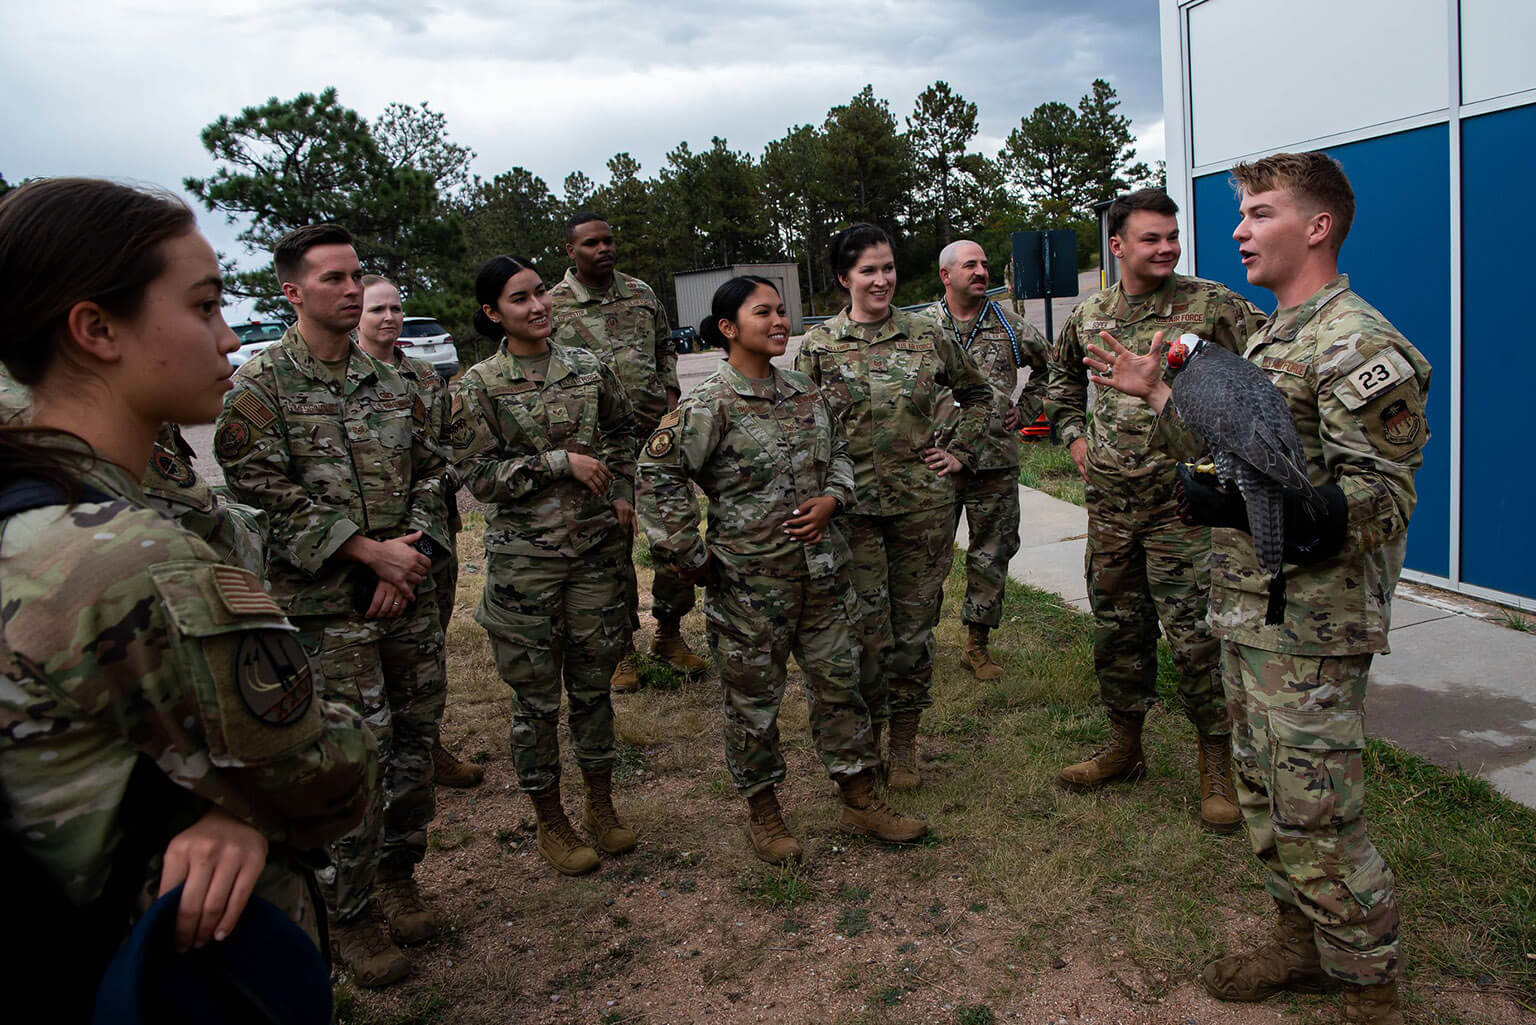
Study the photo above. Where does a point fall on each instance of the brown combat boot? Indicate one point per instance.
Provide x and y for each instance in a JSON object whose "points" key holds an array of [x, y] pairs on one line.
{"points": [[669, 646], [410, 920], [1219, 812], [863, 812], [448, 771], [1372, 1005], [367, 951], [771, 838], [558, 842], [1119, 759], [599, 818], [626, 675], [977, 657], [902, 763], [1288, 961]]}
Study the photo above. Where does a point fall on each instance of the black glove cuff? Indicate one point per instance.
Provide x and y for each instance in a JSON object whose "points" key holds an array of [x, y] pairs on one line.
{"points": [[1312, 537]]}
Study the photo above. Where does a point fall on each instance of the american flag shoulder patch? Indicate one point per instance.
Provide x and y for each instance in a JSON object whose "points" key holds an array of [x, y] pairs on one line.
{"points": [[242, 594], [250, 406]]}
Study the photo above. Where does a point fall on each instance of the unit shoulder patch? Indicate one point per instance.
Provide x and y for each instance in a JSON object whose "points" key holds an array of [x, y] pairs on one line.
{"points": [[661, 444], [233, 440]]}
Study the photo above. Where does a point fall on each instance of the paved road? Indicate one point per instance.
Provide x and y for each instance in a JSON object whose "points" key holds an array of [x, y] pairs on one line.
{"points": [[691, 369]]}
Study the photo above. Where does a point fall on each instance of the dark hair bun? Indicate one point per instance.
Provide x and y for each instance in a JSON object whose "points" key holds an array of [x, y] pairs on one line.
{"points": [[488, 327], [709, 331]]}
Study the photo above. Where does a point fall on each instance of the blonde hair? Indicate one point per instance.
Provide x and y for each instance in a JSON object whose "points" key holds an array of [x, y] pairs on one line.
{"points": [[1314, 177]]}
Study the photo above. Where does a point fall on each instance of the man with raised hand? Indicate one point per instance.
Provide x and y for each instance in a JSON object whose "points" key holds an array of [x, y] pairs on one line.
{"points": [[1356, 389]]}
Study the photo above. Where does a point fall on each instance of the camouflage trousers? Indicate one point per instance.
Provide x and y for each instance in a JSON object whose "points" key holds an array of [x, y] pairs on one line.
{"points": [[552, 618], [391, 672], [1298, 739], [1144, 566], [672, 597], [755, 623], [445, 583], [991, 503], [898, 568]]}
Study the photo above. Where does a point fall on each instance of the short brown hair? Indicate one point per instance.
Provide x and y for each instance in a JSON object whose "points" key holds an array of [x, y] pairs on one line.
{"points": [[370, 280], [1156, 200], [288, 256], [1313, 176]]}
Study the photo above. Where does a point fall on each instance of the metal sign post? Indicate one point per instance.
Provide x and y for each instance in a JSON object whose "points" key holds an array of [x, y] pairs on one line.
{"points": [[1045, 267]]}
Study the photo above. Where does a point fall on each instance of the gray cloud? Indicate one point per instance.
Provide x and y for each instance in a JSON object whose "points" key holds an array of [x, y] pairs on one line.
{"points": [[552, 85]]}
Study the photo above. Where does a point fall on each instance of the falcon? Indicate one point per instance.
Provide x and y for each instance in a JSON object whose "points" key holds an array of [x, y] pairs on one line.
{"points": [[1244, 419]]}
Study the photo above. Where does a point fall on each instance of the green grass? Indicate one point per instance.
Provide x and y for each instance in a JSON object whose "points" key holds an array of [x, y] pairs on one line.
{"points": [[1049, 468], [1132, 863], [1512, 620], [775, 887]]}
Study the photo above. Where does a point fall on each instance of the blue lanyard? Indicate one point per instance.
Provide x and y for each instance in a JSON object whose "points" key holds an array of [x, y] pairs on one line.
{"points": [[1013, 341]]}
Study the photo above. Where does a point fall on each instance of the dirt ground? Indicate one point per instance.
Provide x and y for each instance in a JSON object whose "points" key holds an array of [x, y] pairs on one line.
{"points": [[690, 928]]}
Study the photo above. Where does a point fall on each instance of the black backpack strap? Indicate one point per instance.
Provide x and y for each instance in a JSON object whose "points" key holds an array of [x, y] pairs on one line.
{"points": [[27, 493]]}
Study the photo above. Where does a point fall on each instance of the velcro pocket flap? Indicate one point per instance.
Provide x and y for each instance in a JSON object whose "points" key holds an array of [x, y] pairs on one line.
{"points": [[1318, 729]]}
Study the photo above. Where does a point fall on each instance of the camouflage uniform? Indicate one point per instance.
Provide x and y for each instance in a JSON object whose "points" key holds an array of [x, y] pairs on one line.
{"points": [[989, 493], [883, 383], [326, 460], [235, 532], [1143, 564], [1296, 690], [626, 327], [758, 449], [436, 396], [554, 602], [15, 398], [124, 638]]}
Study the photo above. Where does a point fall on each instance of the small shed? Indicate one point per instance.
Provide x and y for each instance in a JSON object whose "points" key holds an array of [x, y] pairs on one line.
{"points": [[695, 289]]}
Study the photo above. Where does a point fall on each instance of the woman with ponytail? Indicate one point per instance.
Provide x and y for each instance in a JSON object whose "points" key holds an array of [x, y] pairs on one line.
{"points": [[158, 715], [761, 444], [544, 435], [883, 372]]}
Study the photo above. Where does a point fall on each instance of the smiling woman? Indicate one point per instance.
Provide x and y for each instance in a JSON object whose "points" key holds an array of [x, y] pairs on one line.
{"points": [[883, 373], [165, 712]]}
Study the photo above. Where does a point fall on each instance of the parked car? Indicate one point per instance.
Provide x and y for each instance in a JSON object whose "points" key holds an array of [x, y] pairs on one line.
{"points": [[255, 336], [425, 339], [685, 339]]}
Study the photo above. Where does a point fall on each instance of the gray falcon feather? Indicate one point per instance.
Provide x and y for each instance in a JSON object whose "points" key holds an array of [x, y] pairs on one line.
{"points": [[1237, 411]]}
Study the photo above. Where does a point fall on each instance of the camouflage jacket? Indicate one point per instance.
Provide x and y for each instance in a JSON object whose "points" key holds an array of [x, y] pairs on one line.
{"points": [[626, 327], [510, 438], [438, 397], [15, 398], [122, 636], [236, 533], [757, 449], [1000, 356], [886, 384], [1127, 454], [326, 461], [1356, 389]]}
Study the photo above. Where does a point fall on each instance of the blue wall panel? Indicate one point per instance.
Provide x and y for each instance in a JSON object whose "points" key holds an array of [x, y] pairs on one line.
{"points": [[1397, 257], [1498, 485]]}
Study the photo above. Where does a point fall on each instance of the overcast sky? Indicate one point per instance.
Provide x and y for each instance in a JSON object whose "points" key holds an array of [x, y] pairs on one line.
{"points": [[122, 89]]}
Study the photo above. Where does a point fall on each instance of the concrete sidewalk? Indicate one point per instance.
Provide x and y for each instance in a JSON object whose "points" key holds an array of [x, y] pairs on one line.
{"points": [[1456, 689]]}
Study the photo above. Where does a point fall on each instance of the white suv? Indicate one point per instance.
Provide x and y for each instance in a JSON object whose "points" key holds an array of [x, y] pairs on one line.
{"points": [[425, 339], [255, 336]]}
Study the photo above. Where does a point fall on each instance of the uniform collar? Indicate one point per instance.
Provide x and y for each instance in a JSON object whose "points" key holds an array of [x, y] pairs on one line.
{"points": [[1285, 324], [559, 366], [99, 473], [618, 290], [844, 326], [1159, 303], [741, 384], [360, 366]]}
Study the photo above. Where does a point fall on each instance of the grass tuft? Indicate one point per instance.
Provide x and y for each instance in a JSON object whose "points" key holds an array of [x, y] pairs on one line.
{"points": [[1049, 468]]}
